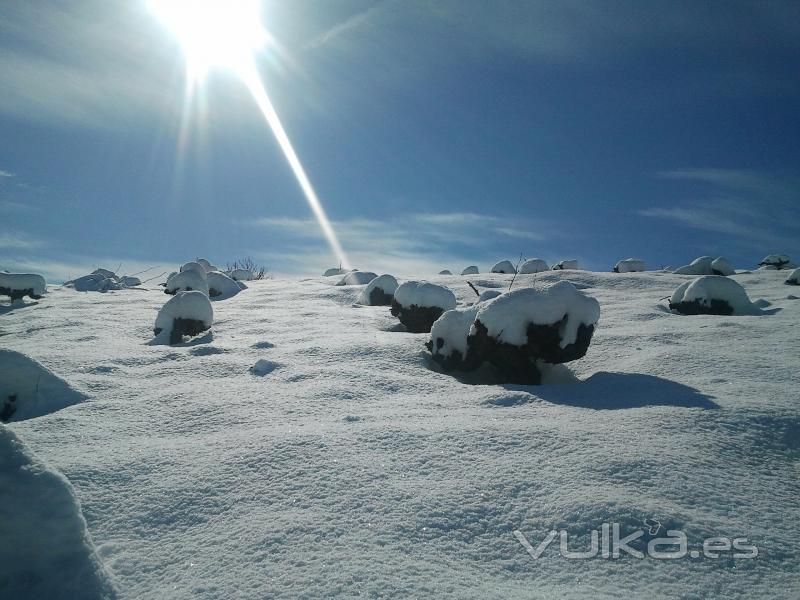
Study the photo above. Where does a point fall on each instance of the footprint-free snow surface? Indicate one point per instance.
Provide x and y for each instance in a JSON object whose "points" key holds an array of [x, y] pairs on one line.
{"points": [[346, 465]]}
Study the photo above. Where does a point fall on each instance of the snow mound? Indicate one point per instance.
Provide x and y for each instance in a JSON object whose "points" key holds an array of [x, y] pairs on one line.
{"points": [[794, 278], [222, 287], [425, 294], [187, 281], [566, 264], [241, 274], [470, 270], [445, 272], [187, 313], [105, 273], [712, 294], [487, 295], [94, 282], [417, 304], [19, 285], [46, 551], [629, 265], [507, 317], [379, 291], [533, 265], [449, 335], [193, 266], [777, 261], [207, 266], [706, 265], [129, 281], [263, 367], [504, 266], [334, 271], [357, 278], [28, 390]]}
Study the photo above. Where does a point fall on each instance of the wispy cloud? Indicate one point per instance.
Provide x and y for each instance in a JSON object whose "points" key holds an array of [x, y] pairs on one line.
{"points": [[4, 174], [755, 209], [15, 241], [415, 243]]}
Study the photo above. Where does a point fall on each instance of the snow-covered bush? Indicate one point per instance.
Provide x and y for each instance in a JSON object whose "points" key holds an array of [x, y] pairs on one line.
{"points": [[487, 295], [533, 265], [505, 267], [565, 264], [27, 389], [418, 304], [445, 272], [187, 313], [18, 285], [515, 330], [193, 266], [777, 261], [794, 278], [629, 265], [241, 275], [129, 281], [94, 282], [711, 295], [379, 291], [105, 273], [357, 278], [706, 265], [187, 281], [470, 270], [207, 266], [221, 287], [334, 271]]}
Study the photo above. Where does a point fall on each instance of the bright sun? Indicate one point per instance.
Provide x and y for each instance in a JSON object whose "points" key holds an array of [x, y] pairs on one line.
{"points": [[213, 33]]}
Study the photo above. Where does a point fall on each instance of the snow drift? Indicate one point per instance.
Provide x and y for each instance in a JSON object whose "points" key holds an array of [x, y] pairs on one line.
{"points": [[28, 390], [45, 549]]}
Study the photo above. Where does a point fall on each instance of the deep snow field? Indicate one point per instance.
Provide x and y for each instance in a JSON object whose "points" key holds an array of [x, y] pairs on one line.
{"points": [[349, 466]]}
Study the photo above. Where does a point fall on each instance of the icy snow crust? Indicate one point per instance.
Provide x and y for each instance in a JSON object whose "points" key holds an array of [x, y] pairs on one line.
{"points": [[355, 468], [19, 282], [507, 317], [45, 550], [425, 295]]}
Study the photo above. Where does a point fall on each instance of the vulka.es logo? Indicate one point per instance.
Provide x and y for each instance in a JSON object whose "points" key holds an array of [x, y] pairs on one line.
{"points": [[608, 542]]}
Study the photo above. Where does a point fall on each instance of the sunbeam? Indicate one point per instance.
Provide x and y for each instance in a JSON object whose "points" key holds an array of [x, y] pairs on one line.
{"points": [[215, 33]]}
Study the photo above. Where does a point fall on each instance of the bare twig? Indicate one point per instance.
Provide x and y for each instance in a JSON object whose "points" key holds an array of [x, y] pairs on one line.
{"points": [[516, 270], [144, 271], [156, 277], [474, 289]]}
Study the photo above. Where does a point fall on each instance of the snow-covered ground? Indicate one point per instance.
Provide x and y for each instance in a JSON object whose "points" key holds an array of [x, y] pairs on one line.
{"points": [[351, 467]]}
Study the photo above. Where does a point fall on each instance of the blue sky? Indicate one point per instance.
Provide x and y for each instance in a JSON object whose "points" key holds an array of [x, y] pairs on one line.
{"points": [[437, 135]]}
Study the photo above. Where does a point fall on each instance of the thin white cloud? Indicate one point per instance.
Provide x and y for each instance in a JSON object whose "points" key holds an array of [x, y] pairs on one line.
{"points": [[6, 174], [15, 241]]}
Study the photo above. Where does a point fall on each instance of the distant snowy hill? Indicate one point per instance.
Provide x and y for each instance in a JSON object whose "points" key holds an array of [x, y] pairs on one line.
{"points": [[346, 464]]}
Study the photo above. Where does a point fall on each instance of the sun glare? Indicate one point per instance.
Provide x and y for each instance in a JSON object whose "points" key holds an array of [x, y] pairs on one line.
{"points": [[228, 34]]}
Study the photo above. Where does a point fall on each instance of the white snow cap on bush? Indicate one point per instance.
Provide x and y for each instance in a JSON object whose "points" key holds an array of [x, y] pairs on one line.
{"points": [[778, 261], [629, 265], [487, 295], [425, 295], [699, 266], [129, 281], [721, 266], [334, 271], [185, 305], [504, 266], [46, 551], [453, 328], [715, 287], [105, 273], [205, 264], [533, 265], [386, 283], [36, 390], [357, 278], [19, 282], [95, 282], [565, 264], [445, 272], [193, 266], [189, 280], [470, 270], [507, 317], [241, 274], [221, 287], [794, 277]]}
